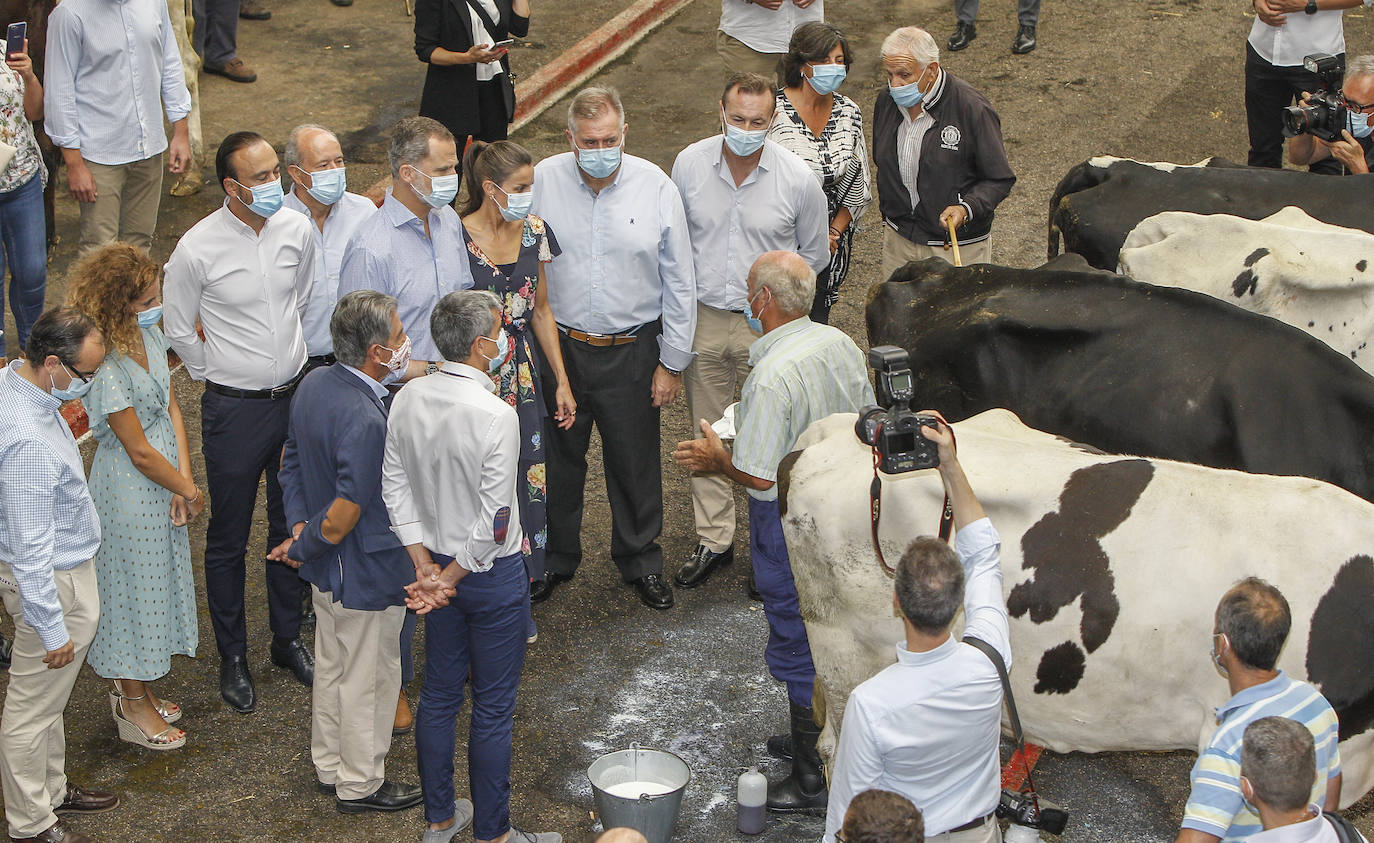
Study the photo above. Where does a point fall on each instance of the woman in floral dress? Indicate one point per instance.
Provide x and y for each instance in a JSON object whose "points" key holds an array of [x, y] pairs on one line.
{"points": [[507, 249]]}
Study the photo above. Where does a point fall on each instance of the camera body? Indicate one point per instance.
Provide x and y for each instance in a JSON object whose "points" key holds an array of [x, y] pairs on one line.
{"points": [[1028, 809], [890, 427], [1324, 114]]}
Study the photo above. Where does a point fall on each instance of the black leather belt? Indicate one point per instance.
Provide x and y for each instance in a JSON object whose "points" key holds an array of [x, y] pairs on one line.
{"points": [[276, 393], [970, 825], [320, 360]]}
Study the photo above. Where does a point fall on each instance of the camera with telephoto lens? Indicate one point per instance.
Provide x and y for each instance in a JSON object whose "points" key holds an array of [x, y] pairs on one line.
{"points": [[1323, 115], [1028, 809], [890, 427]]}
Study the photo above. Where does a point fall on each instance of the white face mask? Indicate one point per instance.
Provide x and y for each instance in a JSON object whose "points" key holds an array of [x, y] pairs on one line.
{"points": [[400, 359]]}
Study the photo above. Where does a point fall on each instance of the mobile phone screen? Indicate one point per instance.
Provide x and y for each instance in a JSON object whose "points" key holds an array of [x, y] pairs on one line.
{"points": [[505, 43], [14, 38]]}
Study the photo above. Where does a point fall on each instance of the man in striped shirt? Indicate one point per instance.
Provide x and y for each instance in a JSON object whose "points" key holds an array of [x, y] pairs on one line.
{"points": [[802, 372], [1252, 622]]}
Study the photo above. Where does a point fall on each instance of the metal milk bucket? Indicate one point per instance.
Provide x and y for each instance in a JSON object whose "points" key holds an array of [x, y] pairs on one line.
{"points": [[662, 776]]}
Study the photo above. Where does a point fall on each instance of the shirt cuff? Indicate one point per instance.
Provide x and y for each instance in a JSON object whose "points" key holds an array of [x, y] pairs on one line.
{"points": [[409, 533], [673, 358], [64, 141], [178, 114], [54, 635], [472, 564]]}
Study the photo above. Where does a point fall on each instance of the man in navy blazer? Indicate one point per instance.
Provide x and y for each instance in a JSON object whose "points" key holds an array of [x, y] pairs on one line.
{"points": [[331, 477]]}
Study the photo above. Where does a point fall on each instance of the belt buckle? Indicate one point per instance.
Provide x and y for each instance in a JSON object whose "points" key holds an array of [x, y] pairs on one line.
{"points": [[277, 392]]}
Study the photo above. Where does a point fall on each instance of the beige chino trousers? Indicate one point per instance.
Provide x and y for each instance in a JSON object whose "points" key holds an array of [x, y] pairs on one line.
{"points": [[125, 206], [898, 251]]}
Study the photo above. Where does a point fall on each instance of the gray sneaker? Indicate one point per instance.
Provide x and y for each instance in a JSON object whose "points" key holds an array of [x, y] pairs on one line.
{"points": [[518, 836], [462, 818]]}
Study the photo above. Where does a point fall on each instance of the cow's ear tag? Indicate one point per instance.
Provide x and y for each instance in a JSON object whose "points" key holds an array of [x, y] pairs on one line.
{"points": [[500, 524]]}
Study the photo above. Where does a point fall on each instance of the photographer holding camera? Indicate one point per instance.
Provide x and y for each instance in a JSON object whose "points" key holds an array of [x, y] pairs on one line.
{"points": [[1353, 147], [928, 726], [802, 372]]}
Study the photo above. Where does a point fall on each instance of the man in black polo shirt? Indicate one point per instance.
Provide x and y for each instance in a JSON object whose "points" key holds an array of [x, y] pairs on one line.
{"points": [[938, 149]]}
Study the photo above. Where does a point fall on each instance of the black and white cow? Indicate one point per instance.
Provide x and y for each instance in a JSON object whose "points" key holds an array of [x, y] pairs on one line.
{"points": [[1112, 569], [1099, 201], [1307, 273], [1130, 368]]}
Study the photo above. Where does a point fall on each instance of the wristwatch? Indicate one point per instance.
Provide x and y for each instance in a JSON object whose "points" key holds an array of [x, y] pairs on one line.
{"points": [[1311, 7], [431, 368]]}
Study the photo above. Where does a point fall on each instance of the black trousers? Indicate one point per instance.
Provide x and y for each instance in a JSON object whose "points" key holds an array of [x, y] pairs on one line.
{"points": [[1268, 91], [241, 439], [612, 386]]}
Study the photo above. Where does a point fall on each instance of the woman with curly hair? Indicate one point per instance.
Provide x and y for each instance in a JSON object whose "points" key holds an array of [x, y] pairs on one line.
{"points": [[143, 490]]}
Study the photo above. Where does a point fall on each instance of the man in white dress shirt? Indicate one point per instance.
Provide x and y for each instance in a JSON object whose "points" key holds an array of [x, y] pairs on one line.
{"points": [[234, 291], [754, 34], [1278, 767], [744, 196], [928, 726], [319, 189], [449, 480]]}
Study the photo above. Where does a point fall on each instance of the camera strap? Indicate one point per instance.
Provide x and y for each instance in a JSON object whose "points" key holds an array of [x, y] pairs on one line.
{"points": [[997, 662], [875, 513]]}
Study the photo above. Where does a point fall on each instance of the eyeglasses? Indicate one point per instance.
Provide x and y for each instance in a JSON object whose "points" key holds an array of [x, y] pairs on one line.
{"points": [[76, 373], [1354, 106]]}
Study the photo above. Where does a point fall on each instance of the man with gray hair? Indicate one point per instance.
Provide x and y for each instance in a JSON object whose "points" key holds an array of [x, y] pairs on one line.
{"points": [[928, 727], [1278, 765], [314, 162], [1354, 152], [937, 145], [412, 247], [331, 480], [624, 297], [449, 481], [802, 372]]}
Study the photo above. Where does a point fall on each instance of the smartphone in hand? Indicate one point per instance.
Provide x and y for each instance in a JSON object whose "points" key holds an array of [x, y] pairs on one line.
{"points": [[505, 43], [14, 38]]}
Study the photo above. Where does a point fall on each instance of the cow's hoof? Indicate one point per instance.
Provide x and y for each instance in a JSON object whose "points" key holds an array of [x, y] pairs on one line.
{"points": [[187, 183]]}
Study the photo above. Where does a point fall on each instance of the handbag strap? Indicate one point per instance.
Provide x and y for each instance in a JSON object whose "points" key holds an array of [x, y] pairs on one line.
{"points": [[997, 662], [486, 19]]}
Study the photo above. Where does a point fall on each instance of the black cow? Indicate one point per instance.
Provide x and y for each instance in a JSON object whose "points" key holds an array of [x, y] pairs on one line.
{"points": [[1130, 368], [1099, 201]]}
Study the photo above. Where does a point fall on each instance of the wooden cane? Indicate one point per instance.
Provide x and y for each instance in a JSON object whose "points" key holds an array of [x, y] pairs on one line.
{"points": [[954, 242]]}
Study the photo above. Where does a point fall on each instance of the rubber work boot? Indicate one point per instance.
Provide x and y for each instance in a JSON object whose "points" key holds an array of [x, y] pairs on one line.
{"points": [[803, 791]]}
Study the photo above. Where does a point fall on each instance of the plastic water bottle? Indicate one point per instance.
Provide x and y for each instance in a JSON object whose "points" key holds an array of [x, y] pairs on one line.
{"points": [[1020, 834], [752, 794]]}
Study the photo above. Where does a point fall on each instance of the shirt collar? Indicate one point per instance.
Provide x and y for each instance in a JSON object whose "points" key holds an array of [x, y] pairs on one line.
{"points": [[465, 371], [937, 90], [940, 653], [377, 389], [765, 160], [398, 214], [1253, 694], [1297, 832], [761, 346], [39, 398], [238, 225]]}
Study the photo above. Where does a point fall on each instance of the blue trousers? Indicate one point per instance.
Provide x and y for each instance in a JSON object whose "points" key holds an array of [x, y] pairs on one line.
{"points": [[26, 255], [481, 631], [788, 654]]}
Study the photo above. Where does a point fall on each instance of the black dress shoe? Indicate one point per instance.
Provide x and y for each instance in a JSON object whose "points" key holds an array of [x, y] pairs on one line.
{"points": [[389, 797], [293, 656], [698, 567], [654, 592], [1025, 40], [964, 33], [236, 684], [342, 2], [325, 789], [541, 590]]}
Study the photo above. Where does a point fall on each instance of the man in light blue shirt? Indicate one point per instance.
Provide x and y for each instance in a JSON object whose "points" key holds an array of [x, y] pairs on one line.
{"points": [[319, 189], [623, 295], [744, 196], [113, 69], [49, 531], [803, 372], [412, 248]]}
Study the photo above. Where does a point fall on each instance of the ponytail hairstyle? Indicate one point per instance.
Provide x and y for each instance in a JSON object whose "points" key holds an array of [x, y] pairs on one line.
{"points": [[493, 162]]}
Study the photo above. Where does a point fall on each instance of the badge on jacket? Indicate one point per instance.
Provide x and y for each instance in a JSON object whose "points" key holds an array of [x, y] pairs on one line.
{"points": [[500, 524], [949, 138]]}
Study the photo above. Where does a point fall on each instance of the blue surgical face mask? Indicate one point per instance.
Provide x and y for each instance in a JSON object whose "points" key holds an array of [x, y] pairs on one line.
{"points": [[1359, 124], [517, 204], [74, 390], [150, 317], [1216, 657], [744, 142], [826, 78], [755, 323], [502, 352], [328, 186], [267, 198], [907, 96], [442, 189], [599, 163]]}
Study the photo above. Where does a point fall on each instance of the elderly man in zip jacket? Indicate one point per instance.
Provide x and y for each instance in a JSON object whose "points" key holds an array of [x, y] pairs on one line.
{"points": [[937, 145]]}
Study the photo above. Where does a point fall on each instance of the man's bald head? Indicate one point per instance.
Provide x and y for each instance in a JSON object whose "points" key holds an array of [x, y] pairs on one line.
{"points": [[622, 835], [788, 277]]}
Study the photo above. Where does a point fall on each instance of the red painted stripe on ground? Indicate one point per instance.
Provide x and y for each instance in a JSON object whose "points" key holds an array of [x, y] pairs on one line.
{"points": [[1014, 773]]}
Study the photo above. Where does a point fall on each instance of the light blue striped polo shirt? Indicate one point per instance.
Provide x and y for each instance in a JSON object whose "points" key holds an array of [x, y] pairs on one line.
{"points": [[802, 372], [1215, 805]]}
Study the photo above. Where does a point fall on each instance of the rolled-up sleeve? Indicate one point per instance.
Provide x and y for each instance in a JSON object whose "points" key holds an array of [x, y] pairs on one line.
{"points": [[26, 499], [59, 79], [494, 493], [978, 547], [176, 98], [426, 28], [679, 282], [182, 286]]}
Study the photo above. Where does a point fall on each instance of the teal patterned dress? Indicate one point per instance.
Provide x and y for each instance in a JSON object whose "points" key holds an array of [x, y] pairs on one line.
{"points": [[147, 592]]}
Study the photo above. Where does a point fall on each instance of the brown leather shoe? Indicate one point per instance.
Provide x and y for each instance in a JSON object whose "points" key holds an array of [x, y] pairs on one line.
{"points": [[235, 71], [253, 10], [405, 721], [82, 801], [59, 833]]}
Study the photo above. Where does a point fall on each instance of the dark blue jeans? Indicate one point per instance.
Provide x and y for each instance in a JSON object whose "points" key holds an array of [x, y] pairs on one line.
{"points": [[26, 254], [788, 654], [482, 631]]}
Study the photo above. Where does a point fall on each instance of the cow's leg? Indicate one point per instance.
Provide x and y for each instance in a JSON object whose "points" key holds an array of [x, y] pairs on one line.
{"points": [[183, 24]]}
